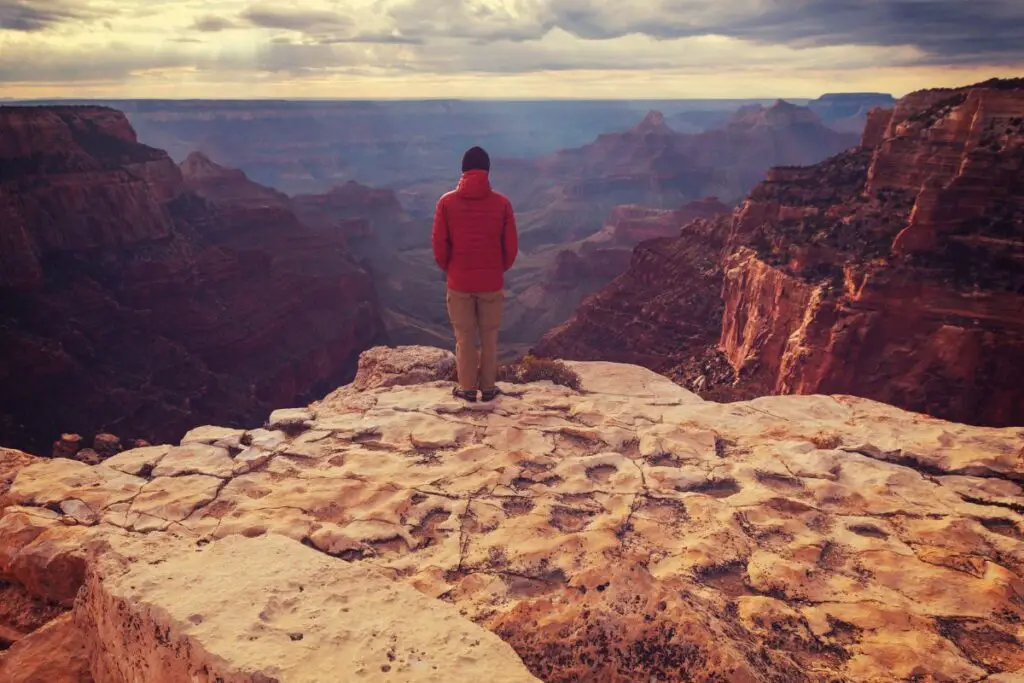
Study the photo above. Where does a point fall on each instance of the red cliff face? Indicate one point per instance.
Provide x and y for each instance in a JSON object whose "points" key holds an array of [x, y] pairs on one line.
{"points": [[137, 296], [360, 213], [639, 318], [893, 271], [586, 266]]}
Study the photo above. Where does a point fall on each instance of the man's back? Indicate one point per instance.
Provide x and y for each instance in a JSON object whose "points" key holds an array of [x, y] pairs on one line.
{"points": [[474, 235]]}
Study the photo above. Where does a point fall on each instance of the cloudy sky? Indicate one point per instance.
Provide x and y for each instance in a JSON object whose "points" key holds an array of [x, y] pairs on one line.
{"points": [[502, 48]]}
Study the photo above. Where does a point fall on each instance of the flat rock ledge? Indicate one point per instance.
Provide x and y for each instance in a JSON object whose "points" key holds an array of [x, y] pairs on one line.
{"points": [[270, 610], [629, 531]]}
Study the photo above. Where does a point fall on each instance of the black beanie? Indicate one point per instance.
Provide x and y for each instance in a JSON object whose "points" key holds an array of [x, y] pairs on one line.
{"points": [[476, 158]]}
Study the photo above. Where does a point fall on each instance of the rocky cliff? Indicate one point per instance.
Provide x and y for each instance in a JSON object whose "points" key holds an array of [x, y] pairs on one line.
{"points": [[570, 274], [894, 270], [663, 312], [626, 531], [138, 296]]}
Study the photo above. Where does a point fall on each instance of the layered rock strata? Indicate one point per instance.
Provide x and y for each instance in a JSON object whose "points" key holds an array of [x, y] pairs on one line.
{"points": [[584, 267], [138, 296], [893, 271], [630, 530]]}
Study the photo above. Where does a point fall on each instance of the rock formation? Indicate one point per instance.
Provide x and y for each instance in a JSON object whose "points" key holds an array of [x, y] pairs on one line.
{"points": [[848, 112], [664, 312], [584, 267], [562, 196], [364, 214], [628, 531], [302, 147], [395, 249], [141, 298], [893, 271]]}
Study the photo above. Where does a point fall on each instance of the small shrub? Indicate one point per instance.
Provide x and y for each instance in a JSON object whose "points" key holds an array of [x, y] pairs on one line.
{"points": [[826, 442], [529, 369], [509, 373], [537, 369], [533, 369]]}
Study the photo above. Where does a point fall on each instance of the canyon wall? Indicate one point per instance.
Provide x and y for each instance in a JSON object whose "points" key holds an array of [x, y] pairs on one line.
{"points": [[894, 270], [546, 299], [139, 297]]}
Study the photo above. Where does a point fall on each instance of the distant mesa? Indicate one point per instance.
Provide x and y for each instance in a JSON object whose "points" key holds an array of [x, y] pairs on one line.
{"points": [[653, 122]]}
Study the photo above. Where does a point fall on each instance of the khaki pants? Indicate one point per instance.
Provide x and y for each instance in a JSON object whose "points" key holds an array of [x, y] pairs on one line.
{"points": [[473, 314]]}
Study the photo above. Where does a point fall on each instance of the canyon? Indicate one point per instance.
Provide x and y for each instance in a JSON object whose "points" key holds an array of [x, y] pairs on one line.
{"points": [[209, 232], [568, 201], [311, 146], [623, 530], [573, 208], [560, 197], [140, 297], [776, 442], [894, 271]]}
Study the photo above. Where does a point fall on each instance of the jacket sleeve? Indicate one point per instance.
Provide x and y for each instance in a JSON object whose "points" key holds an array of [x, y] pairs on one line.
{"points": [[509, 238], [440, 237]]}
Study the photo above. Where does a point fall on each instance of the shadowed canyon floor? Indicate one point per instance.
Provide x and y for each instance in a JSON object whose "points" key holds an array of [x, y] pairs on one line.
{"points": [[627, 532]]}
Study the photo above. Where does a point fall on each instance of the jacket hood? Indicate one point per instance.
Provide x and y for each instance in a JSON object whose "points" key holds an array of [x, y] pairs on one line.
{"points": [[474, 184]]}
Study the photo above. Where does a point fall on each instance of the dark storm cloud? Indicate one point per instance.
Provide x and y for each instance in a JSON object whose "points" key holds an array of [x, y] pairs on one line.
{"points": [[212, 24], [306, 21], [946, 31], [320, 26], [38, 15], [961, 31], [113, 62]]}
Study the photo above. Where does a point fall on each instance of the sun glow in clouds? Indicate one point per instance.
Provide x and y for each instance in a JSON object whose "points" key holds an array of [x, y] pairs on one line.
{"points": [[500, 48]]}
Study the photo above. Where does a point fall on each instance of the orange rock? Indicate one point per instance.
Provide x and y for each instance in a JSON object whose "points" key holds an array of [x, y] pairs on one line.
{"points": [[56, 653]]}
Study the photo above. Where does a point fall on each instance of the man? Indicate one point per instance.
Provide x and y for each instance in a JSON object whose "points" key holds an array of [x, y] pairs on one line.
{"points": [[475, 242]]}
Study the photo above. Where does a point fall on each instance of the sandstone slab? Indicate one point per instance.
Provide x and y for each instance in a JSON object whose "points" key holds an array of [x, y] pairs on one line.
{"points": [[270, 609]]}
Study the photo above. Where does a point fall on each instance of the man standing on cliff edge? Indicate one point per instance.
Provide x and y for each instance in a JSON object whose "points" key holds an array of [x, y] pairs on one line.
{"points": [[475, 242]]}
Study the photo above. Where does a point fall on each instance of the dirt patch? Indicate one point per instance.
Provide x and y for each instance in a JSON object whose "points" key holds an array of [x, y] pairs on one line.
{"points": [[730, 578], [717, 488], [869, 530], [517, 506], [570, 520], [986, 645], [426, 532], [1003, 527], [601, 474]]}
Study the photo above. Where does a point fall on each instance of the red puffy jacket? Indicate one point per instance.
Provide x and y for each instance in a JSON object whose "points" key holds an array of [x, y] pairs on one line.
{"points": [[474, 236]]}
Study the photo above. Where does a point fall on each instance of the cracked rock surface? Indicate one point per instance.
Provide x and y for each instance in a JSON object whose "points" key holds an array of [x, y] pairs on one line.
{"points": [[627, 532]]}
